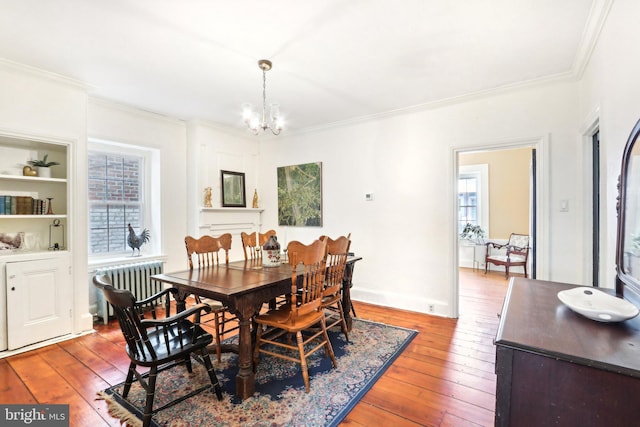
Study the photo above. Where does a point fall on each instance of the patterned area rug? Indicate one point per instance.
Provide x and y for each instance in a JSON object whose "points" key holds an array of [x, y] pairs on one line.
{"points": [[280, 398]]}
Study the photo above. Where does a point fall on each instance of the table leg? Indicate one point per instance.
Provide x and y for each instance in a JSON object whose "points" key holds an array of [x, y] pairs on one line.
{"points": [[245, 383], [181, 301], [346, 295]]}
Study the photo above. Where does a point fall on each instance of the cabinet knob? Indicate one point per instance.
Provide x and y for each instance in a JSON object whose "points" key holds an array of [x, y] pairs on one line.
{"points": [[13, 288]]}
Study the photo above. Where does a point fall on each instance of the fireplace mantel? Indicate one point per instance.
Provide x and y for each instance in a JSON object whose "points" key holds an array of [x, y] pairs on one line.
{"points": [[217, 221], [203, 209]]}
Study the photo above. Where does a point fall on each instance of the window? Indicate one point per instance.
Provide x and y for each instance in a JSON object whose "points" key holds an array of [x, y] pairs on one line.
{"points": [[467, 201], [117, 191], [473, 196]]}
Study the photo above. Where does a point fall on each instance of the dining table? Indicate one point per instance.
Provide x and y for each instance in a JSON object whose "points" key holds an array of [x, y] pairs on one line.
{"points": [[244, 286]]}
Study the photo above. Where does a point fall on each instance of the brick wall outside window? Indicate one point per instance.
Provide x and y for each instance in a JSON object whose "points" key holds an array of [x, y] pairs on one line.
{"points": [[115, 200]]}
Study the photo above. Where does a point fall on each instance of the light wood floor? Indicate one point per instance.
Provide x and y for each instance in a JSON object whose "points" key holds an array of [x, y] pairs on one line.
{"points": [[445, 377]]}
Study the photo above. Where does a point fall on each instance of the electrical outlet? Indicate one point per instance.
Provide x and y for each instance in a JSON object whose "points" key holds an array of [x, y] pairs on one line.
{"points": [[431, 308]]}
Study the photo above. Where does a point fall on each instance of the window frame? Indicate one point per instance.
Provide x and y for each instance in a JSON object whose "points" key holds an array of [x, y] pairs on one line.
{"points": [[148, 201], [481, 173]]}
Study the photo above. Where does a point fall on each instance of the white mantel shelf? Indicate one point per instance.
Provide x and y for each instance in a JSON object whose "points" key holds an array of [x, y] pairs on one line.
{"points": [[217, 221], [203, 209]]}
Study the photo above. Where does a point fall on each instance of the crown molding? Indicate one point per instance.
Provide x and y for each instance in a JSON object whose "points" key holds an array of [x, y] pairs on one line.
{"points": [[590, 36], [567, 76], [132, 109], [239, 132], [48, 75]]}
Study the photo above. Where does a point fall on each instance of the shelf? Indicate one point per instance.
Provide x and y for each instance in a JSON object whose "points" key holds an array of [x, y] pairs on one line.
{"points": [[32, 178], [27, 255], [32, 216], [203, 209]]}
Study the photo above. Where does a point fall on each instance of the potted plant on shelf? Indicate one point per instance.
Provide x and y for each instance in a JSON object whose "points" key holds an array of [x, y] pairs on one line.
{"points": [[473, 232], [43, 166]]}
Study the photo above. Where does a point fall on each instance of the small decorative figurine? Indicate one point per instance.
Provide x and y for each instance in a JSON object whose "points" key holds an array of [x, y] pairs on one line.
{"points": [[136, 241], [29, 171], [207, 197], [255, 199]]}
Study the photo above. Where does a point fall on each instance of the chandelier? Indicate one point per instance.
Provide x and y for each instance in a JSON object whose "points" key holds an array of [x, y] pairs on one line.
{"points": [[252, 119]]}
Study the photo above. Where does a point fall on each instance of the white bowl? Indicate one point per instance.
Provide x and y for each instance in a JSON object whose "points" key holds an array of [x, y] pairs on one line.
{"points": [[597, 305]]}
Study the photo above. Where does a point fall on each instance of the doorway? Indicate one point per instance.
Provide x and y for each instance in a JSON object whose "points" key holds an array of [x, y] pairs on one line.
{"points": [[532, 186], [595, 208]]}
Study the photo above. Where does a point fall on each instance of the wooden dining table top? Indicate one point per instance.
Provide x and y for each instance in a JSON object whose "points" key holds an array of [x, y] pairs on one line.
{"points": [[230, 280], [227, 280]]}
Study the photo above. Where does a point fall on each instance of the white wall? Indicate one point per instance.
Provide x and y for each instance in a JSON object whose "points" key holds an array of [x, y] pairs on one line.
{"points": [[211, 149], [42, 105], [407, 162], [114, 122], [610, 91]]}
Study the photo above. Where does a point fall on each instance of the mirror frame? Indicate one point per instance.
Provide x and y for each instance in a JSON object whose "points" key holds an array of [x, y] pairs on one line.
{"points": [[626, 285], [233, 189]]}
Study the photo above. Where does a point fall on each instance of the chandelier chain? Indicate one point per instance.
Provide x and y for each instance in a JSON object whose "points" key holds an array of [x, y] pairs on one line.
{"points": [[264, 99], [252, 119]]}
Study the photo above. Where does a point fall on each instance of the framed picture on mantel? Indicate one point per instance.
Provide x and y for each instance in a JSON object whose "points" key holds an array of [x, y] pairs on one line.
{"points": [[233, 194]]}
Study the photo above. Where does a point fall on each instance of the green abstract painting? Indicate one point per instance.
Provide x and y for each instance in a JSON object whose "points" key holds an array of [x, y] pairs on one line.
{"points": [[300, 195]]}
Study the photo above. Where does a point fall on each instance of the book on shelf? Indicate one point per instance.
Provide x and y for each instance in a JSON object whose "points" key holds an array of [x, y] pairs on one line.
{"points": [[17, 202], [11, 204], [23, 204], [38, 207]]}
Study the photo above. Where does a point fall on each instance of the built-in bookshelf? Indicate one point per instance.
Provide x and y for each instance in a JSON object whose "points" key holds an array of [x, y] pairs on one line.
{"points": [[42, 218]]}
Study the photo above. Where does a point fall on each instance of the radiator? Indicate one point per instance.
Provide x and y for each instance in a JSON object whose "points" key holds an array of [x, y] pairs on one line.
{"points": [[133, 277]]}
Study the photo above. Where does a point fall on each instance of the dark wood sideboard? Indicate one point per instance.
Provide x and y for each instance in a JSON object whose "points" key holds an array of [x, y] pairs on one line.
{"points": [[557, 368]]}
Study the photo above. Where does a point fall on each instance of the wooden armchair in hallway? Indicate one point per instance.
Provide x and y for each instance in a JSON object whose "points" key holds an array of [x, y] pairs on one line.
{"points": [[336, 261], [158, 343], [301, 316], [516, 253], [206, 250]]}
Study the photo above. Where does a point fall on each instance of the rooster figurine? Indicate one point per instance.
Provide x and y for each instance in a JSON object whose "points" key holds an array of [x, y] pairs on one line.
{"points": [[136, 241]]}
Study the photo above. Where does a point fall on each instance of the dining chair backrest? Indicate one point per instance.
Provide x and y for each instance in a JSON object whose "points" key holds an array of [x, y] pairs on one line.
{"points": [[307, 276], [336, 259], [263, 237], [206, 249], [249, 246], [252, 243]]}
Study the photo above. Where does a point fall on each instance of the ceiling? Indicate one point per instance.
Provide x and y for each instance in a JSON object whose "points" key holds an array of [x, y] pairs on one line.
{"points": [[333, 61]]}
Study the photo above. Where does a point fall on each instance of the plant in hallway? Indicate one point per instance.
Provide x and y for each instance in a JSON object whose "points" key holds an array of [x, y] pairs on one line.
{"points": [[473, 232]]}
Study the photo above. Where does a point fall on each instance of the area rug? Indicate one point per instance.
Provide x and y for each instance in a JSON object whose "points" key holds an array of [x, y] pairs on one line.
{"points": [[280, 398]]}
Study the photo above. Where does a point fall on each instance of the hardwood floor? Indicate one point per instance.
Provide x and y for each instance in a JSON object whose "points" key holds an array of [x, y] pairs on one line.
{"points": [[445, 377]]}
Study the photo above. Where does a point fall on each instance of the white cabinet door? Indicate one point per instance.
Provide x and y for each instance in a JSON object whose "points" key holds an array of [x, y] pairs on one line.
{"points": [[38, 300]]}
